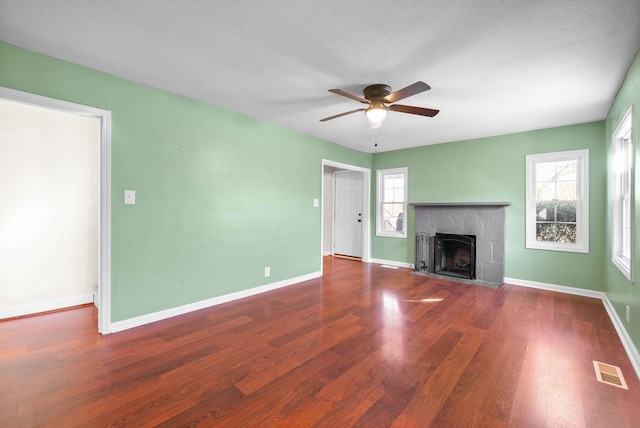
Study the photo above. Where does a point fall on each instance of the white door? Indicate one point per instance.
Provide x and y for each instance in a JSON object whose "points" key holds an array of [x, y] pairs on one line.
{"points": [[347, 219]]}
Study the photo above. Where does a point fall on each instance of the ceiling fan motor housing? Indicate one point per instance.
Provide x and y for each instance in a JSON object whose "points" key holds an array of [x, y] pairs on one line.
{"points": [[376, 92]]}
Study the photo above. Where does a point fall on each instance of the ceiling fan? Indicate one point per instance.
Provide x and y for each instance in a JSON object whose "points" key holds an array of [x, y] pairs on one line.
{"points": [[380, 99]]}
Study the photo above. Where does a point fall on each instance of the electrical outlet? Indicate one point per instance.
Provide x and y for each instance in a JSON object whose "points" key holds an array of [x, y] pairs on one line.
{"points": [[267, 272], [628, 313], [129, 197]]}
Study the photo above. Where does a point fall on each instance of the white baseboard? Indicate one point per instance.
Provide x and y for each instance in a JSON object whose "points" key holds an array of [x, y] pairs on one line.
{"points": [[49, 305], [558, 288], [391, 263], [627, 343], [632, 352], [180, 310]]}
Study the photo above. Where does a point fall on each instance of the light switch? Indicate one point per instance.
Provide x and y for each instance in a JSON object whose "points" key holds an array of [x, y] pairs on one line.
{"points": [[316, 203], [129, 197]]}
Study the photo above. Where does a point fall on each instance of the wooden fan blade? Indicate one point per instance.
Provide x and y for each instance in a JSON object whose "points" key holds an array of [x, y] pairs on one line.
{"points": [[414, 110], [410, 90], [341, 114], [348, 95]]}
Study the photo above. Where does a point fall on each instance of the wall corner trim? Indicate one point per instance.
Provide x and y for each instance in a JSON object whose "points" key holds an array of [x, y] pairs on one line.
{"points": [[627, 343], [191, 307]]}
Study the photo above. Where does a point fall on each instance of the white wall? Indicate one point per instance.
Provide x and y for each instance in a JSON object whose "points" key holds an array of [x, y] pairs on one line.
{"points": [[49, 205]]}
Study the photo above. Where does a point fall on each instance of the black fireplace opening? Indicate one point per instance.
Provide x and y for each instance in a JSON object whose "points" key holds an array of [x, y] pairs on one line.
{"points": [[454, 255]]}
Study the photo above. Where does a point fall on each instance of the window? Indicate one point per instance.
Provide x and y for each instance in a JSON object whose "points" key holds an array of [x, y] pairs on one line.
{"points": [[622, 199], [557, 214], [392, 202]]}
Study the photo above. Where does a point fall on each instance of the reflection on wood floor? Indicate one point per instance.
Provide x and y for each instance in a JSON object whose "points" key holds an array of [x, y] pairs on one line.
{"points": [[361, 346]]}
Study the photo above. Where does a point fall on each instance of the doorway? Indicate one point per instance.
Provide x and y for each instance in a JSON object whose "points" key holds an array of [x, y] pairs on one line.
{"points": [[56, 198], [329, 170]]}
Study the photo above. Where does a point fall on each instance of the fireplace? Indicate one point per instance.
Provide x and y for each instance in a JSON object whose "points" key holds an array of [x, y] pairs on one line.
{"points": [[484, 220], [454, 255]]}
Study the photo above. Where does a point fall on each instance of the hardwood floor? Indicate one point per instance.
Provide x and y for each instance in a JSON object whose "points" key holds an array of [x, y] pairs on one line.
{"points": [[363, 346]]}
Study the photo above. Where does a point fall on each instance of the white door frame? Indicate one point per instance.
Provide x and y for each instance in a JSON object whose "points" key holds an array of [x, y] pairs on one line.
{"points": [[103, 299], [366, 206]]}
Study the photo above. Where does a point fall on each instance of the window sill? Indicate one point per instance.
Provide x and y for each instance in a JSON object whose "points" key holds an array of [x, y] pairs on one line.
{"points": [[570, 248], [624, 265], [392, 234]]}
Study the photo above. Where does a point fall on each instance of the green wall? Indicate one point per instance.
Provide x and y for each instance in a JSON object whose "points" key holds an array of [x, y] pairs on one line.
{"points": [[620, 291], [493, 170], [219, 196]]}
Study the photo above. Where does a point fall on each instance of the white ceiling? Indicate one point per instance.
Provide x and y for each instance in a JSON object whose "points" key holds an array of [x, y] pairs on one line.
{"points": [[495, 67]]}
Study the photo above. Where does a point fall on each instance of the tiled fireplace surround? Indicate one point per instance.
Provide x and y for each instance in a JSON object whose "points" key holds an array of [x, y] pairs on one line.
{"points": [[486, 220]]}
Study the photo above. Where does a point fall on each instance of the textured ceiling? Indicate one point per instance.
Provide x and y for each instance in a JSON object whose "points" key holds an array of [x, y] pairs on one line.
{"points": [[495, 67]]}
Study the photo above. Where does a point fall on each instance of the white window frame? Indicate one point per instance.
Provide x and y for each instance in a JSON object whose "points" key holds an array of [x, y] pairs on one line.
{"points": [[582, 203], [381, 173], [623, 154]]}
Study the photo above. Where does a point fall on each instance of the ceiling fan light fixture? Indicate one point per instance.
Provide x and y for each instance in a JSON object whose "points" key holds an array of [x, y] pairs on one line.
{"points": [[376, 114]]}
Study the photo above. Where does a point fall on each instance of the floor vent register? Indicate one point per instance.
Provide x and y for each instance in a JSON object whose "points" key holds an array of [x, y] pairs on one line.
{"points": [[611, 375]]}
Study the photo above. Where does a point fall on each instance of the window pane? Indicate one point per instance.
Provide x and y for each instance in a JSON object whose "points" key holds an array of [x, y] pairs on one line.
{"points": [[388, 195], [391, 214], [545, 171], [625, 172], [566, 212], [545, 191], [626, 213], [545, 232], [566, 170], [626, 245], [388, 181], [566, 233], [396, 209], [392, 180], [398, 195], [545, 211], [625, 178], [566, 190]]}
